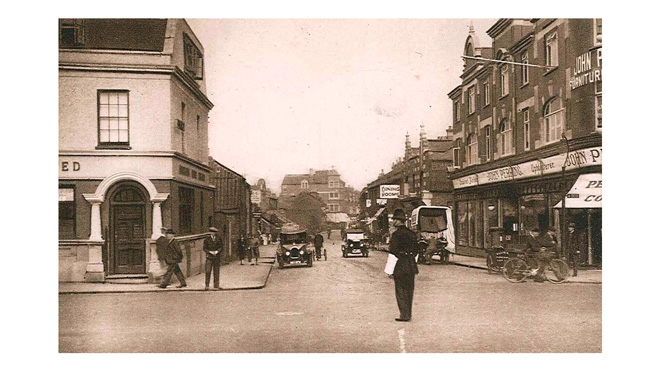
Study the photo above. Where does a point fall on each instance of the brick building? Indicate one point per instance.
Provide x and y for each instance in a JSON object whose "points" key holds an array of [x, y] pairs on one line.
{"points": [[529, 104]]}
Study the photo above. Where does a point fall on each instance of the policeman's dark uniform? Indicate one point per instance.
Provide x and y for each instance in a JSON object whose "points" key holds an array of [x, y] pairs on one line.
{"points": [[403, 245]]}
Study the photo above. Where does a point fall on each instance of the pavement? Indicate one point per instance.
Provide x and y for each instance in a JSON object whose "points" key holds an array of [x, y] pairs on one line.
{"points": [[584, 275], [233, 276]]}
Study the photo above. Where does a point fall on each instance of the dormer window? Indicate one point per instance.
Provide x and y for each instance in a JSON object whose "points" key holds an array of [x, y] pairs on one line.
{"points": [[304, 184], [72, 33], [193, 59]]}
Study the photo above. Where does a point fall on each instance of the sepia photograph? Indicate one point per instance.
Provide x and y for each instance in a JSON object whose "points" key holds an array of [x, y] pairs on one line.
{"points": [[359, 185]]}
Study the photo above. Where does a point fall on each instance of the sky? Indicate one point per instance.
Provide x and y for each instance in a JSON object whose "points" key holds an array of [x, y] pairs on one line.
{"points": [[292, 95]]}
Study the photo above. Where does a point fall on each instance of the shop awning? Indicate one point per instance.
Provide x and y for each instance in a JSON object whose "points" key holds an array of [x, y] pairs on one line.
{"points": [[586, 193], [337, 218]]}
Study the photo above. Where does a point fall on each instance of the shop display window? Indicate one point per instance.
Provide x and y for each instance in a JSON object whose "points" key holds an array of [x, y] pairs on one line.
{"points": [[462, 218], [67, 213], [533, 213], [509, 209]]}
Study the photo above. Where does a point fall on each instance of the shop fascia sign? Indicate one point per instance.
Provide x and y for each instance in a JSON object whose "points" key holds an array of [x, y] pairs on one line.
{"points": [[255, 197], [368, 203], [549, 165], [587, 70], [381, 201], [390, 191]]}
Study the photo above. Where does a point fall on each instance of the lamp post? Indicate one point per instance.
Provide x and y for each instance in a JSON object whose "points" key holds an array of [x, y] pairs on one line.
{"points": [[563, 199]]}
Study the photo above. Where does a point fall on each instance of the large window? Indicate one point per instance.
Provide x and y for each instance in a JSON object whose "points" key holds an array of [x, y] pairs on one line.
{"points": [[553, 115], [470, 223], [504, 80], [457, 110], [524, 70], [67, 214], [113, 117], [334, 196], [526, 136], [471, 96], [551, 49], [488, 142], [457, 154], [506, 138], [486, 94], [472, 150], [186, 200], [194, 61], [333, 208]]}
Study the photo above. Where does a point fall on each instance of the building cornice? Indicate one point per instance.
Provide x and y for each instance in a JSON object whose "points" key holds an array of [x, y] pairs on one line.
{"points": [[188, 81]]}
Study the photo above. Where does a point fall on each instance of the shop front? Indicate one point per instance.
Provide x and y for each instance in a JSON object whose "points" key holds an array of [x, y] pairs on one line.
{"points": [[502, 206]]}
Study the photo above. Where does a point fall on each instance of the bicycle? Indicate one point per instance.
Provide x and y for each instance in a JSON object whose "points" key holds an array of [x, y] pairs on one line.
{"points": [[517, 269]]}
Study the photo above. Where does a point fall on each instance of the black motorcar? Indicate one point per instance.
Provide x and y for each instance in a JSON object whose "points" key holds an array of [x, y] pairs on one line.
{"points": [[294, 249], [355, 243]]}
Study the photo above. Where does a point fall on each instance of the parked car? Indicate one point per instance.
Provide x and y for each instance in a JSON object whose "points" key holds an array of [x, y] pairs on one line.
{"points": [[355, 243], [294, 249]]}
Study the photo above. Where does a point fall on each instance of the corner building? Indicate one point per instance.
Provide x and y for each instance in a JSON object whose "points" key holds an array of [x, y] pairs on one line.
{"points": [[527, 130], [133, 146]]}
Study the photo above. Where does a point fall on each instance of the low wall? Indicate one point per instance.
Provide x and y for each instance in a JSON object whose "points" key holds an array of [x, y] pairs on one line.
{"points": [[74, 261]]}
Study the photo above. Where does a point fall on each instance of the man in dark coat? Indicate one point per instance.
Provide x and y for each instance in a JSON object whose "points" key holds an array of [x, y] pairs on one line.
{"points": [[403, 245], [212, 248], [172, 256], [573, 247], [318, 244], [542, 246], [241, 248]]}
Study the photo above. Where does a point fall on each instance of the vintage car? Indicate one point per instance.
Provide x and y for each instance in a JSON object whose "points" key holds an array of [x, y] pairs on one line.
{"points": [[435, 232], [355, 243], [294, 249]]}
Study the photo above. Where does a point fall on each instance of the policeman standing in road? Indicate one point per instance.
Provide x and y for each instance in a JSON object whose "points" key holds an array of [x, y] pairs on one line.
{"points": [[403, 245]]}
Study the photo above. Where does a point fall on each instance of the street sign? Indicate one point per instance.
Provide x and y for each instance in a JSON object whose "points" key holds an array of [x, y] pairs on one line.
{"points": [[390, 191]]}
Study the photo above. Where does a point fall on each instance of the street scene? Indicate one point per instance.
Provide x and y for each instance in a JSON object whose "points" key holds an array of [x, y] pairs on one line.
{"points": [[330, 185]]}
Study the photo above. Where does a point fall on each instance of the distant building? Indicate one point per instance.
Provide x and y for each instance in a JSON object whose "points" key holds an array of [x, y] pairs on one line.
{"points": [[420, 177], [133, 146], [332, 190]]}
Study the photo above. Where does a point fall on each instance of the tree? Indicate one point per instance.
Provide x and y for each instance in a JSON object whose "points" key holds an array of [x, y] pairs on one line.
{"points": [[307, 211]]}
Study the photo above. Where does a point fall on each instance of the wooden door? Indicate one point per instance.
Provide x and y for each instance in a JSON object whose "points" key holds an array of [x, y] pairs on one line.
{"points": [[128, 225]]}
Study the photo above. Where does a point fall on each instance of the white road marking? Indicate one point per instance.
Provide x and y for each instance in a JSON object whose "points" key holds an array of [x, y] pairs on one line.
{"points": [[289, 313], [402, 341]]}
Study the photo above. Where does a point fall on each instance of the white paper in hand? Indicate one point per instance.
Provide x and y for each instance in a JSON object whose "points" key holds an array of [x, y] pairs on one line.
{"points": [[391, 263]]}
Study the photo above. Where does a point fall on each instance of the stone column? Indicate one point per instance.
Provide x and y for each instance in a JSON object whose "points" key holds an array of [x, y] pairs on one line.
{"points": [[94, 271], [95, 234], [157, 220]]}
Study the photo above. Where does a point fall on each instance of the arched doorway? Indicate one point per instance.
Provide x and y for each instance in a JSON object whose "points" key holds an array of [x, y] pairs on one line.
{"points": [[127, 230]]}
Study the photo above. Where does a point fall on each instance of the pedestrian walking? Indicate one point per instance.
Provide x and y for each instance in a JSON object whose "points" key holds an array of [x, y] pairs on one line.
{"points": [[573, 248], [403, 245], [318, 245], [249, 248], [256, 241], [241, 248], [212, 248], [170, 251]]}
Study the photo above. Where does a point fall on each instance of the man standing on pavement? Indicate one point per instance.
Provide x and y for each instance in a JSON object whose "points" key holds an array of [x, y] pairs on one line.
{"points": [[403, 245], [573, 248], [172, 256], [212, 248]]}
